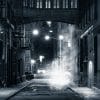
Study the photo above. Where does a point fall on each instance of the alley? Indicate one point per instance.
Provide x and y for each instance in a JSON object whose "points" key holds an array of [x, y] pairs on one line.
{"points": [[49, 49]]}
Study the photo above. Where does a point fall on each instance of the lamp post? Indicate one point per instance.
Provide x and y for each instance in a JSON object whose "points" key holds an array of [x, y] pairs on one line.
{"points": [[60, 48], [90, 74], [60, 38]]}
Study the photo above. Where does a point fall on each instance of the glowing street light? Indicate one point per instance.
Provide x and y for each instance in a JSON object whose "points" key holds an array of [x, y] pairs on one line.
{"points": [[41, 58], [35, 32], [47, 37], [90, 74], [33, 61], [49, 23], [51, 31], [69, 44], [1, 32], [61, 37]]}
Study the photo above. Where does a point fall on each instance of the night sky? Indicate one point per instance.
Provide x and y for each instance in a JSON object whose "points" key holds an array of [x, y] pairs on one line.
{"points": [[45, 48]]}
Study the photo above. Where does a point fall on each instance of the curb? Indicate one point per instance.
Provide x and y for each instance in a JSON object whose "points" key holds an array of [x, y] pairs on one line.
{"points": [[77, 94], [18, 91]]}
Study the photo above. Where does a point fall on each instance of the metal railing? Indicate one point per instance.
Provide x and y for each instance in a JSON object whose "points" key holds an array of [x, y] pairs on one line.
{"points": [[50, 4]]}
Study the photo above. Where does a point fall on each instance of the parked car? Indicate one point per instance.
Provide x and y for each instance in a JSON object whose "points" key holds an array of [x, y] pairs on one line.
{"points": [[29, 75]]}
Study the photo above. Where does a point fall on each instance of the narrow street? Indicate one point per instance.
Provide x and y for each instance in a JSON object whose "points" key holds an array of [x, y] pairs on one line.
{"points": [[39, 90], [49, 49]]}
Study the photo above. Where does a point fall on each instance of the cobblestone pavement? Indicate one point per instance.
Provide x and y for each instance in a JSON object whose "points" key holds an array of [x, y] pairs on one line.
{"points": [[41, 91]]}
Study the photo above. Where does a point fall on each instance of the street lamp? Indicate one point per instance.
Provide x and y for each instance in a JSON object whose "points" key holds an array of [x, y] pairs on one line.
{"points": [[49, 23], [35, 32], [41, 58], [90, 73], [61, 37], [51, 31], [47, 37], [33, 61], [1, 32], [69, 44]]}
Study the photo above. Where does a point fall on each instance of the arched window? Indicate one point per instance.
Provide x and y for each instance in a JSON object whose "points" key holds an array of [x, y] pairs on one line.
{"points": [[73, 3], [48, 4], [25, 4], [65, 3], [31, 3], [39, 4], [56, 4]]}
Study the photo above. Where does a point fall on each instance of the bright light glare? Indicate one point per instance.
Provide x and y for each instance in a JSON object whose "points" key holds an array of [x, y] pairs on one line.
{"points": [[90, 66], [35, 32], [69, 44], [47, 37], [60, 79], [61, 37], [33, 61], [50, 31], [49, 22], [41, 71], [1, 32], [41, 58]]}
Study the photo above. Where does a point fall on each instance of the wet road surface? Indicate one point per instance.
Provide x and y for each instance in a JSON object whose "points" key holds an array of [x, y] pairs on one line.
{"points": [[41, 91]]}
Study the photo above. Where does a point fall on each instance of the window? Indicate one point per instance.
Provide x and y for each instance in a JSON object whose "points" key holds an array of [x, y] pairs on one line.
{"points": [[39, 4], [56, 4], [2, 2], [25, 3], [48, 4], [28, 3], [65, 3], [31, 3], [73, 3], [3, 11]]}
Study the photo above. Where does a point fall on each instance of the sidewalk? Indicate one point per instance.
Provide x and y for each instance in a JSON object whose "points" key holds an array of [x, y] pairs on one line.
{"points": [[5, 93], [88, 93]]}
